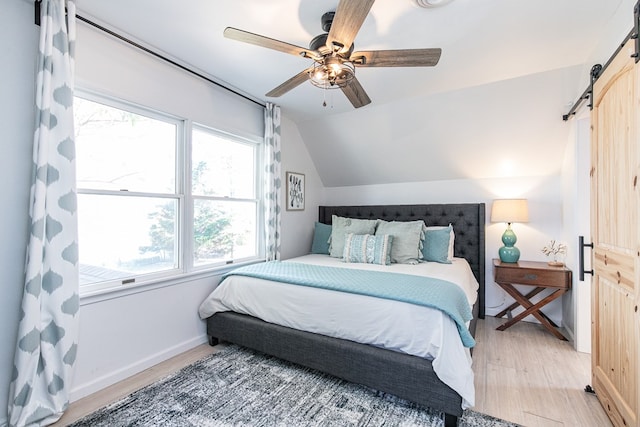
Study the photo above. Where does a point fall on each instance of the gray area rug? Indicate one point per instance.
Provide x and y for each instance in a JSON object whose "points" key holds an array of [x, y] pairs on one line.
{"points": [[240, 387]]}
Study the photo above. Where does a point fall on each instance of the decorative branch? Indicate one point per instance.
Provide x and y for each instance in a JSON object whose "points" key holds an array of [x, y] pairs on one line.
{"points": [[554, 248]]}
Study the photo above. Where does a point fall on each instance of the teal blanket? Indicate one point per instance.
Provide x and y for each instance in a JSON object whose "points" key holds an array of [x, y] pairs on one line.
{"points": [[419, 290]]}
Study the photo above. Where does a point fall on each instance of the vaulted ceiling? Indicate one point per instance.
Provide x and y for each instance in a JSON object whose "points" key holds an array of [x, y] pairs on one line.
{"points": [[491, 107]]}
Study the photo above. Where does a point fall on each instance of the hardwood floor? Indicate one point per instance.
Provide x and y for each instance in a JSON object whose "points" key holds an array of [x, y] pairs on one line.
{"points": [[527, 376], [524, 375]]}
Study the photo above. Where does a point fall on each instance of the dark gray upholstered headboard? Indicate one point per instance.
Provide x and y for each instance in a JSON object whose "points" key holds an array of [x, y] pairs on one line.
{"points": [[467, 219]]}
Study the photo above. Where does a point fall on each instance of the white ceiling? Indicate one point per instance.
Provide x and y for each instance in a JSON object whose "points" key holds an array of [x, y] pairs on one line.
{"points": [[491, 107]]}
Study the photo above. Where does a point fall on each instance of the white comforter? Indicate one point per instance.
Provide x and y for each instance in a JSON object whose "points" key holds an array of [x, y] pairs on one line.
{"points": [[407, 328]]}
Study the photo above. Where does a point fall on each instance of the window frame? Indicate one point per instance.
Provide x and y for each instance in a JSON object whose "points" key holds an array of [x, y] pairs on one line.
{"points": [[183, 195], [258, 198]]}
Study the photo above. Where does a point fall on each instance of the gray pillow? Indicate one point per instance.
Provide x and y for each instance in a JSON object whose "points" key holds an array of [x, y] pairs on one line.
{"points": [[341, 226], [407, 240]]}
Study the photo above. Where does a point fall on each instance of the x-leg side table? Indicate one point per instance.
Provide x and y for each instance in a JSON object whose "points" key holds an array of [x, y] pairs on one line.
{"points": [[531, 273]]}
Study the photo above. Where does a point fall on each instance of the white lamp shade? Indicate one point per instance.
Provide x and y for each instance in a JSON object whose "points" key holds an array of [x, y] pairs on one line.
{"points": [[510, 210]]}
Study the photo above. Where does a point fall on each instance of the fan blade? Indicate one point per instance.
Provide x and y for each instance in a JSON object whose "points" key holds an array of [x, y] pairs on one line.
{"points": [[396, 58], [347, 21], [293, 82], [262, 41], [356, 94]]}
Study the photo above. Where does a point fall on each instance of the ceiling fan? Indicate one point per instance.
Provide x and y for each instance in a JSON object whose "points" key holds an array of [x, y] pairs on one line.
{"points": [[332, 52]]}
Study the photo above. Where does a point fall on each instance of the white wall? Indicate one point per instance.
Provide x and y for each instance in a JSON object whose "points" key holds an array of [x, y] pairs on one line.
{"points": [[125, 332], [610, 38], [576, 189], [576, 214], [297, 226], [145, 80], [475, 132], [545, 216], [16, 137]]}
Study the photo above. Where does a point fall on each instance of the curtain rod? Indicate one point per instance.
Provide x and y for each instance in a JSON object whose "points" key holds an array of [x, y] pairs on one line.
{"points": [[597, 69], [164, 58], [37, 4]]}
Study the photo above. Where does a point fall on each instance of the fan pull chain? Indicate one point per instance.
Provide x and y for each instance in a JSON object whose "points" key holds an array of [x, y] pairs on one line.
{"points": [[324, 96]]}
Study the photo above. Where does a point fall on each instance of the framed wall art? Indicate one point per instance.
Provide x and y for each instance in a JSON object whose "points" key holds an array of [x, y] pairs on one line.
{"points": [[295, 191]]}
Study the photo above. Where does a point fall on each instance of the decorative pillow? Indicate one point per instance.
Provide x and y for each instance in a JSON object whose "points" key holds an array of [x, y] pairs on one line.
{"points": [[436, 245], [321, 236], [369, 249], [407, 239], [451, 238], [342, 226]]}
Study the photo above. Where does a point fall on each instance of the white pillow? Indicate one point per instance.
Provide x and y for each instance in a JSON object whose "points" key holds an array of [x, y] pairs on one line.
{"points": [[367, 248], [407, 239], [340, 227]]}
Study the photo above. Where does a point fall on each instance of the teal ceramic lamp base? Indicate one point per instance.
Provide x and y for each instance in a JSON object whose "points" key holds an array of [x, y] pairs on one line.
{"points": [[509, 253]]}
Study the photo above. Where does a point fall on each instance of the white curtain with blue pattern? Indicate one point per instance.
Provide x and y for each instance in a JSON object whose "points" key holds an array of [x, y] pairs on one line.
{"points": [[273, 181], [47, 336]]}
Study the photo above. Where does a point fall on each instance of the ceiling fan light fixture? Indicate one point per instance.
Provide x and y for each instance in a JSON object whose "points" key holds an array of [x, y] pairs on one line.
{"points": [[332, 73], [432, 3], [334, 64]]}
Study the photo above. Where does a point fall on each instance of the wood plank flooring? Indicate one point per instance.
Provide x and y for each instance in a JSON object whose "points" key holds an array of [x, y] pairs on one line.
{"points": [[527, 376], [524, 375]]}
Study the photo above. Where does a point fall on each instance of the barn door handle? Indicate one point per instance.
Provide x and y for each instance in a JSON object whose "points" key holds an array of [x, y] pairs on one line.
{"points": [[582, 245]]}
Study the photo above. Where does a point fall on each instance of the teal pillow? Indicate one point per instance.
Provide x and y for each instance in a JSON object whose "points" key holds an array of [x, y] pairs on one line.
{"points": [[321, 235], [436, 245], [367, 248]]}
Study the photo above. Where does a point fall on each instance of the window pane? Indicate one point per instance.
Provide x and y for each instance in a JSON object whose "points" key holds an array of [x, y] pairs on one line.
{"points": [[120, 150], [222, 167], [123, 236], [223, 230]]}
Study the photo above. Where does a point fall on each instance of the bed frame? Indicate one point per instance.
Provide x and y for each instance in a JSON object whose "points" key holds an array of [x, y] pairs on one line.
{"points": [[403, 375]]}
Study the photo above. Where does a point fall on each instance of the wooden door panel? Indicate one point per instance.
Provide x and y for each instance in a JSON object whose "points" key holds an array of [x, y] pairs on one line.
{"points": [[616, 266], [615, 359], [619, 413], [615, 156], [615, 203]]}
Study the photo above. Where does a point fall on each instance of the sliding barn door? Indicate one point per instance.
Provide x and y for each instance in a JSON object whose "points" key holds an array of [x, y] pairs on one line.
{"points": [[616, 237]]}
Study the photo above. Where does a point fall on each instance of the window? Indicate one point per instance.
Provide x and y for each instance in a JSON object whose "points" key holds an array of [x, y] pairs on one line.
{"points": [[139, 217], [223, 185]]}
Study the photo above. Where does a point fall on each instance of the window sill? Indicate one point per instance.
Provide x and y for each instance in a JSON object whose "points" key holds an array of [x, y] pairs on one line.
{"points": [[93, 297]]}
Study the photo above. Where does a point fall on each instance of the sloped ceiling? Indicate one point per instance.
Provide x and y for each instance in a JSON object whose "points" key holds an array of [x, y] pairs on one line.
{"points": [[492, 106]]}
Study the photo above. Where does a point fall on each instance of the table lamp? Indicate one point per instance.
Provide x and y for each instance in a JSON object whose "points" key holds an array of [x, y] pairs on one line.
{"points": [[509, 210]]}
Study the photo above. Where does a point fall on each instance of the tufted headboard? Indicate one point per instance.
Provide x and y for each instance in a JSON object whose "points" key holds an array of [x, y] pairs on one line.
{"points": [[467, 219]]}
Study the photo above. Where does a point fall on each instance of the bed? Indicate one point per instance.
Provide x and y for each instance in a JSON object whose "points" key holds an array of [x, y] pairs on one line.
{"points": [[391, 371]]}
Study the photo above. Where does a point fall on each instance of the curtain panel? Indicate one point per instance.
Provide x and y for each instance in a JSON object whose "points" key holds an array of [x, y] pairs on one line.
{"points": [[47, 333], [273, 181]]}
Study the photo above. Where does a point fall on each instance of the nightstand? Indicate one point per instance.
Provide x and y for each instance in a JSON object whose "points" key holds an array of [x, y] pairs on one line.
{"points": [[541, 276]]}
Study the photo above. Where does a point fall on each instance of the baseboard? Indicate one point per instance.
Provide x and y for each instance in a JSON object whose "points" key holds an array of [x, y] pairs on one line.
{"points": [[79, 391], [569, 335]]}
